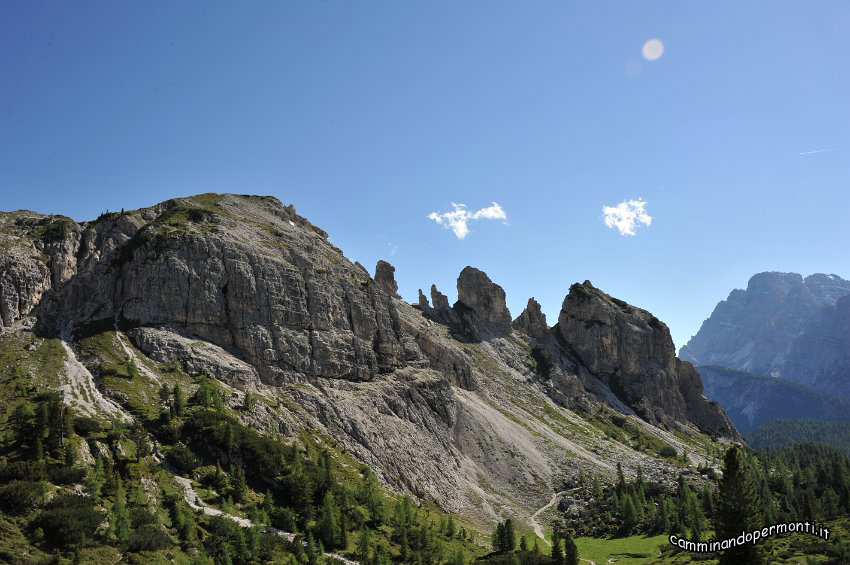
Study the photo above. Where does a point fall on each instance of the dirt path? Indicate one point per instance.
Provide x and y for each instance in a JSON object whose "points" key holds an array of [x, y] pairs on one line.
{"points": [[592, 562], [538, 529]]}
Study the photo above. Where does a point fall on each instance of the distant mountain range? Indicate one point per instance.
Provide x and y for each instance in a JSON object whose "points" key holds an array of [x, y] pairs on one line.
{"points": [[778, 350], [782, 325], [751, 400]]}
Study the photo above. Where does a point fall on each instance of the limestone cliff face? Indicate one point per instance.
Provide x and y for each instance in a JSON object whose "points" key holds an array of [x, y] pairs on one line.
{"points": [[632, 352], [37, 254], [272, 288]]}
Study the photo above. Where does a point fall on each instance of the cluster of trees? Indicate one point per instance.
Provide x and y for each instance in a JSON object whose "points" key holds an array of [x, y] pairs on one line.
{"points": [[786, 433], [506, 552], [131, 503], [642, 507]]}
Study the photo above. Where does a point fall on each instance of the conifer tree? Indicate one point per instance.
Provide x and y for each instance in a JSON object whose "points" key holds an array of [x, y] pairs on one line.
{"points": [[738, 509], [570, 550], [498, 540], [363, 543], [120, 514], [510, 536], [179, 400], [621, 479], [557, 550], [328, 526]]}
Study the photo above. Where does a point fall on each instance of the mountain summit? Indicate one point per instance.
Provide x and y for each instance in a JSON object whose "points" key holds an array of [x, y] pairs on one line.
{"points": [[756, 329]]}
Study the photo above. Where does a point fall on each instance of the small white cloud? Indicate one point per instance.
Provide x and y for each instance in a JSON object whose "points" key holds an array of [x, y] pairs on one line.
{"points": [[457, 220], [393, 249], [817, 151], [626, 216]]}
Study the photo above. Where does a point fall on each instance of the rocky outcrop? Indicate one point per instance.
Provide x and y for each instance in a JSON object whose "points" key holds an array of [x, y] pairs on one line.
{"points": [[438, 299], [385, 278], [532, 321], [423, 302], [755, 329], [632, 352], [482, 301], [194, 357], [39, 254]]}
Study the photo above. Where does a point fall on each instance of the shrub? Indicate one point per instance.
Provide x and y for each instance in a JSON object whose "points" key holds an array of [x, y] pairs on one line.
{"points": [[22, 470], [69, 520], [19, 497], [183, 459], [62, 475], [667, 451], [84, 425], [149, 537]]}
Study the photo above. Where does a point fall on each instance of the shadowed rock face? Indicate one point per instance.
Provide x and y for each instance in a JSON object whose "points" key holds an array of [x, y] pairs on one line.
{"points": [[478, 294], [632, 352], [820, 357]]}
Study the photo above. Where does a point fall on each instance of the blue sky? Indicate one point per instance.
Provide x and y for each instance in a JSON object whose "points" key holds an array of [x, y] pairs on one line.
{"points": [[369, 116]]}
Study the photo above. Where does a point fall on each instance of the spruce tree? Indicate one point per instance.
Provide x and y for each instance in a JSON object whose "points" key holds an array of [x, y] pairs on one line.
{"points": [[510, 536], [179, 400], [557, 551], [498, 539], [570, 550], [328, 527], [738, 509], [363, 544], [120, 514]]}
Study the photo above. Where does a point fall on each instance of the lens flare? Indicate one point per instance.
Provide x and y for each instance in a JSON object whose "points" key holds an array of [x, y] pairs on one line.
{"points": [[653, 50]]}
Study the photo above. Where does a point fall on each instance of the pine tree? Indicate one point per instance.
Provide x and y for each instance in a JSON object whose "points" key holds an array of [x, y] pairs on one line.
{"points": [[312, 550], [557, 551], [238, 483], [570, 550], [510, 536], [179, 400], [523, 544], [738, 509], [363, 543], [96, 478], [328, 526], [597, 489], [498, 539], [621, 479], [630, 517], [370, 496], [164, 393], [120, 514]]}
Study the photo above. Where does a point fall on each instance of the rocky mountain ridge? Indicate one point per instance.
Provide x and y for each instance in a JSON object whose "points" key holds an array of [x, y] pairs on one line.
{"points": [[461, 404], [783, 326]]}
